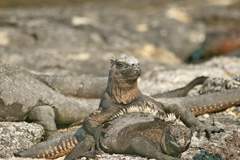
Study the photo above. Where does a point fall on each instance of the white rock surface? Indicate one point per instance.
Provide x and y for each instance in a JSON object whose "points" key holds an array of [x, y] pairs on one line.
{"points": [[16, 136]]}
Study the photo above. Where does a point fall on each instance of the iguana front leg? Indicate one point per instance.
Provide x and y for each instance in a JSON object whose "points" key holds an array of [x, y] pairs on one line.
{"points": [[189, 119], [45, 116], [93, 123], [187, 108]]}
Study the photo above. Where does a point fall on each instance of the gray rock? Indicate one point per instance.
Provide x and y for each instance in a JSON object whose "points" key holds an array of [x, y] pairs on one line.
{"points": [[16, 136], [83, 38], [161, 79], [214, 84], [226, 143]]}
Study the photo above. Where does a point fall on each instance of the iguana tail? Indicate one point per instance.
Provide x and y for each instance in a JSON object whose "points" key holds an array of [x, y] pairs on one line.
{"points": [[50, 149], [182, 92], [53, 148], [211, 103]]}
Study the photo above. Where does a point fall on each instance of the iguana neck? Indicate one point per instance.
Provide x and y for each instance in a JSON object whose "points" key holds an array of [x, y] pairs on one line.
{"points": [[121, 91]]}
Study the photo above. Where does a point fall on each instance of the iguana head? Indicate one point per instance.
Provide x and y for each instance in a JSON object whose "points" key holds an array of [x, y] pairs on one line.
{"points": [[125, 69], [122, 81], [176, 139]]}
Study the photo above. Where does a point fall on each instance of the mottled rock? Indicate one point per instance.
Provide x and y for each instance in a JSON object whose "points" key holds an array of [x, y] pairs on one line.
{"points": [[16, 136], [161, 79], [84, 37], [226, 144], [216, 84]]}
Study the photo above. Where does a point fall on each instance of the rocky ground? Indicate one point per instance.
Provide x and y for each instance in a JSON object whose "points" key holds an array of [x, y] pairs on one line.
{"points": [[81, 38], [19, 135]]}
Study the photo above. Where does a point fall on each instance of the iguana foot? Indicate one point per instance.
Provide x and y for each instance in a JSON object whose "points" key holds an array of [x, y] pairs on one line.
{"points": [[96, 132], [99, 132]]}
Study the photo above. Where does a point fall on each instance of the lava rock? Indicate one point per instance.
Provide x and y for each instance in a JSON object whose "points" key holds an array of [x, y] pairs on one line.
{"points": [[16, 136]]}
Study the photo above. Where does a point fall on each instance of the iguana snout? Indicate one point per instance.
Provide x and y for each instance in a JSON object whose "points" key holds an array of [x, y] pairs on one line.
{"points": [[176, 139]]}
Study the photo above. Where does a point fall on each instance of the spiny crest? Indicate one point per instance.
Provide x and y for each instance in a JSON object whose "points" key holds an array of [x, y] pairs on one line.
{"points": [[171, 117], [145, 107], [168, 117], [125, 59]]}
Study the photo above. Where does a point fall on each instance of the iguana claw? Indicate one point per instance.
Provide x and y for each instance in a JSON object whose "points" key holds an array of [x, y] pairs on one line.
{"points": [[96, 132]]}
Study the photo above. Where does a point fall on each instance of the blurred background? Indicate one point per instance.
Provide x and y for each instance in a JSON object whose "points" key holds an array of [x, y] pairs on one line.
{"points": [[80, 36]]}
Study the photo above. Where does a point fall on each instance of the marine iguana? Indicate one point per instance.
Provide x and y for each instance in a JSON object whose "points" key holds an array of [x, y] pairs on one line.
{"points": [[122, 96], [35, 97], [136, 134], [25, 98]]}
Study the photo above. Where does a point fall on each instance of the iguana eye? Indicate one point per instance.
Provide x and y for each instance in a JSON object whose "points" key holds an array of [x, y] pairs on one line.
{"points": [[120, 65]]}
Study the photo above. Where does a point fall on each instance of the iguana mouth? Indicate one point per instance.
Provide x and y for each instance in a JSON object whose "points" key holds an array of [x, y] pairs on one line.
{"points": [[130, 73], [129, 76]]}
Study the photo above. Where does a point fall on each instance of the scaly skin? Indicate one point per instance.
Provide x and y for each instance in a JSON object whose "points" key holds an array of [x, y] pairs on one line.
{"points": [[115, 102], [212, 103], [54, 148], [40, 102], [141, 134], [198, 105], [122, 96], [128, 134], [44, 152], [24, 98]]}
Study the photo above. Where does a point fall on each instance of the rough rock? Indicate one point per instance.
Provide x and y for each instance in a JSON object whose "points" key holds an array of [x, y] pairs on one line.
{"points": [[21, 92], [225, 144], [161, 78], [84, 37], [216, 84], [15, 136]]}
